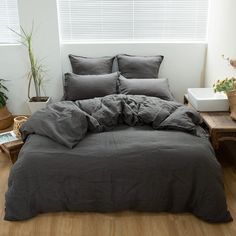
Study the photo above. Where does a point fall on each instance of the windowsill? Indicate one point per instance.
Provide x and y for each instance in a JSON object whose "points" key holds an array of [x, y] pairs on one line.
{"points": [[9, 44], [136, 42]]}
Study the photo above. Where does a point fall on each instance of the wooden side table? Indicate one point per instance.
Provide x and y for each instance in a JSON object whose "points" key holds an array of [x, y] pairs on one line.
{"points": [[12, 149], [221, 127]]}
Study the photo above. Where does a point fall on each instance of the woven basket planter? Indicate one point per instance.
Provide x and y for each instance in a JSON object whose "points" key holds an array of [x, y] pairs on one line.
{"points": [[6, 118], [232, 103]]}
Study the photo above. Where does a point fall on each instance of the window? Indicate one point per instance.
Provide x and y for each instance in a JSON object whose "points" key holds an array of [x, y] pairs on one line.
{"points": [[132, 20], [8, 19]]}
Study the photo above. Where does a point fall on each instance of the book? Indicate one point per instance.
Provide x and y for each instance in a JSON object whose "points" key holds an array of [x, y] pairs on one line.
{"points": [[7, 137]]}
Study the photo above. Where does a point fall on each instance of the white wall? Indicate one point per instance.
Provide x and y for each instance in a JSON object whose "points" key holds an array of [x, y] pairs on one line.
{"points": [[183, 64], [221, 40], [14, 63], [13, 67]]}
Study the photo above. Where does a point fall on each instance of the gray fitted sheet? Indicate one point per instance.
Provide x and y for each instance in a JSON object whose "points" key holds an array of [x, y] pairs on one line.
{"points": [[128, 168]]}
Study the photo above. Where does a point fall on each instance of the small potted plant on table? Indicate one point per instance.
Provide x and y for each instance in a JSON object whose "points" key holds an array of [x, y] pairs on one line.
{"points": [[6, 118], [228, 86], [35, 74]]}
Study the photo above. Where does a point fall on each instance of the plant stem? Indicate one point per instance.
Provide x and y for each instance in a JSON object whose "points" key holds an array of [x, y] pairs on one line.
{"points": [[29, 85], [33, 69]]}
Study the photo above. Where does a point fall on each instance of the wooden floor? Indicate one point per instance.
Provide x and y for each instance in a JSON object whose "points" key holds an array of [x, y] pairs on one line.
{"points": [[121, 224]]}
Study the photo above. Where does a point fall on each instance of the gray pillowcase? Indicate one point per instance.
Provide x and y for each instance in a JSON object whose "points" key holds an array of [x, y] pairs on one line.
{"points": [[139, 66], [78, 87], [91, 66], [149, 87]]}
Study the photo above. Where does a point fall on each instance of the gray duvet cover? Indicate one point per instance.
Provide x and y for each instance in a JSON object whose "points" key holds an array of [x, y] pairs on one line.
{"points": [[143, 161]]}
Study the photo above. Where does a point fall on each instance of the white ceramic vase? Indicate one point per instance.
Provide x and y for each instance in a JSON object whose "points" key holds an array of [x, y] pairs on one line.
{"points": [[37, 105]]}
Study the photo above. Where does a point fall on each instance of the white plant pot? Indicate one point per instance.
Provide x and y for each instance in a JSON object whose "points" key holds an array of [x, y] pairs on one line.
{"points": [[35, 106]]}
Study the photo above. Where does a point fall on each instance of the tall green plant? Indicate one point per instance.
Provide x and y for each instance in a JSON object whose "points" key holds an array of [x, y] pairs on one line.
{"points": [[3, 96], [37, 71]]}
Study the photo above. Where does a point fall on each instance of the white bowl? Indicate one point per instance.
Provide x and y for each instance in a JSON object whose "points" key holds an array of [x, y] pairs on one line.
{"points": [[205, 99]]}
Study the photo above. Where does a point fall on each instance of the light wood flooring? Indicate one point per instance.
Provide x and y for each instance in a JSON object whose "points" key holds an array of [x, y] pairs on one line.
{"points": [[119, 224]]}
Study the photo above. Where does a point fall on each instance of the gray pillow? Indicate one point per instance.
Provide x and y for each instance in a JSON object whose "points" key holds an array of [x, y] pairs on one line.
{"points": [[139, 66], [91, 66], [78, 87], [149, 87]]}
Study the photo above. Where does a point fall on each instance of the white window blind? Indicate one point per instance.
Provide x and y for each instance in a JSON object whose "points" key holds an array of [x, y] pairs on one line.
{"points": [[132, 20], [8, 19]]}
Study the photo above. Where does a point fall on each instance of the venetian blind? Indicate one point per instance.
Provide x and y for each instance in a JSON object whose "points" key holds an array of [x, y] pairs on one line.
{"points": [[132, 20], [8, 19]]}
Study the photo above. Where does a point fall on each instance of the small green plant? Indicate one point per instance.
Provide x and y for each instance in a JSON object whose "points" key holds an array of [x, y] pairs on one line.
{"points": [[3, 96], [225, 85], [37, 71]]}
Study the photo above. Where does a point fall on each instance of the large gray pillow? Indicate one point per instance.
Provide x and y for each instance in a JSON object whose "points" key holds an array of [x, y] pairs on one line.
{"points": [[91, 66], [149, 87], [78, 87], [139, 66]]}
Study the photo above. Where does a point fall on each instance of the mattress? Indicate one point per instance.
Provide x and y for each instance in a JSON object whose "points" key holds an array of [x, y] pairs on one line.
{"points": [[127, 168]]}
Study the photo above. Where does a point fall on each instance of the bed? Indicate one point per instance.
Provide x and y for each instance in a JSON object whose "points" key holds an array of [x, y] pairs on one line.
{"points": [[116, 152]]}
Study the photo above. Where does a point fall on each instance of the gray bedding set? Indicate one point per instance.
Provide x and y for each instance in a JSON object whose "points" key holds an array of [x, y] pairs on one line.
{"points": [[118, 152]]}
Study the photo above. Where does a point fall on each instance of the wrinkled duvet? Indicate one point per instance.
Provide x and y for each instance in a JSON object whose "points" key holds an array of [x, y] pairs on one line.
{"points": [[119, 152]]}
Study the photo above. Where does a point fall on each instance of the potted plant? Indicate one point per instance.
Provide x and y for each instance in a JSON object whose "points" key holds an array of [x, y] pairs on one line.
{"points": [[6, 118], [35, 74], [228, 86]]}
